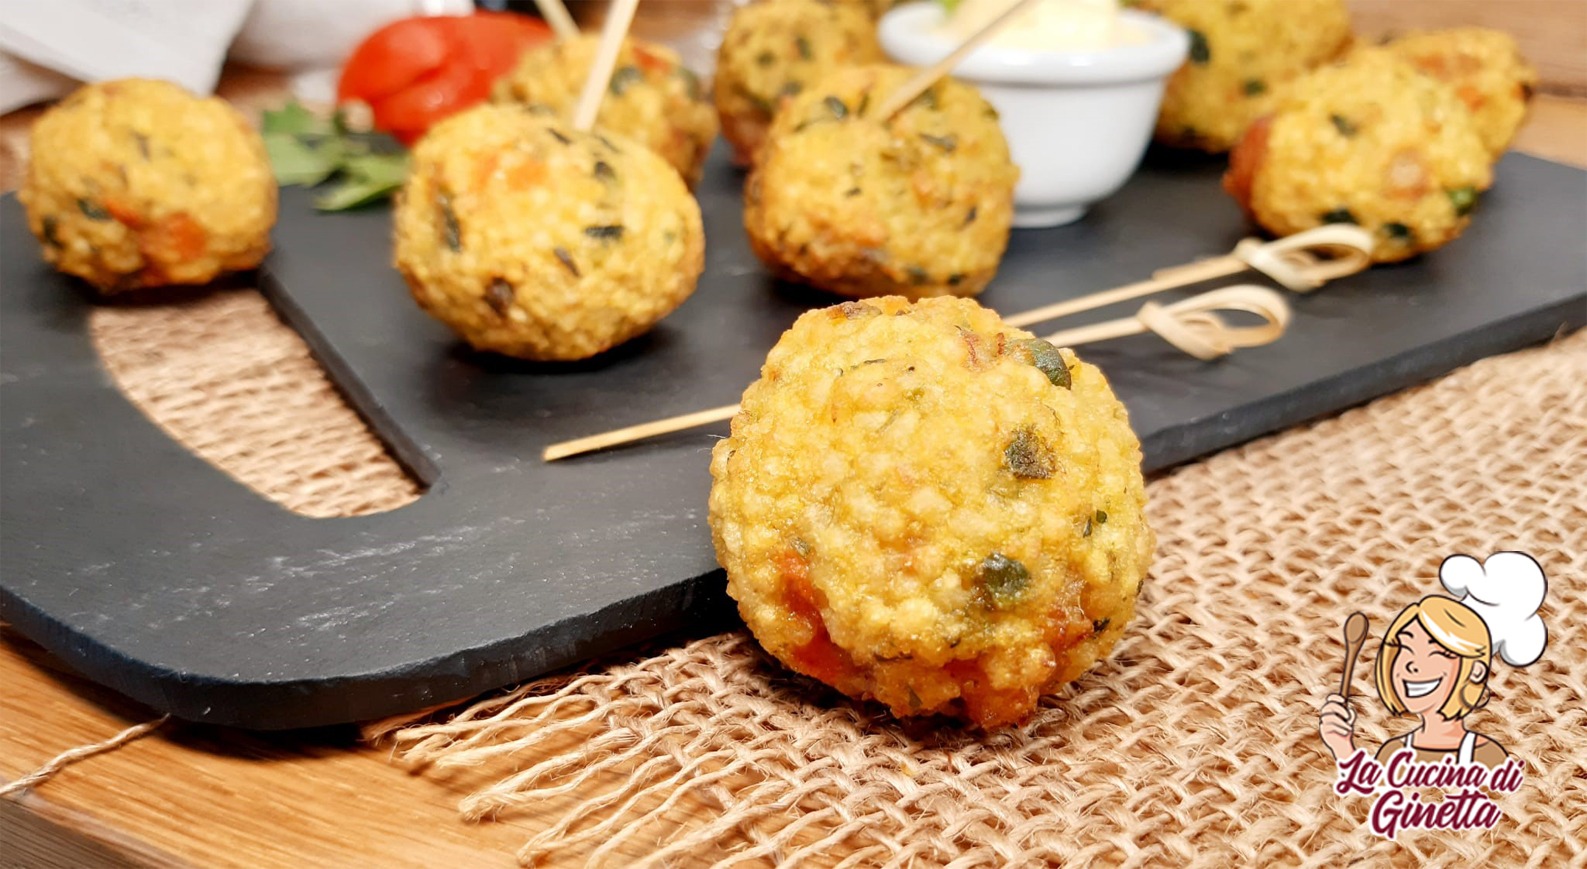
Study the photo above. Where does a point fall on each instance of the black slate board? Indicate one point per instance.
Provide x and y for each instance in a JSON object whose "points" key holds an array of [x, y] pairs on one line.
{"points": [[146, 569]]}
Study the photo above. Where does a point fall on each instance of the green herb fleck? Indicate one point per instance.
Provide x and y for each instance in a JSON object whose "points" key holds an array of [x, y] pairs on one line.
{"points": [[1028, 457], [91, 210], [1399, 233], [499, 296], [852, 192], [801, 547], [765, 58], [1047, 359], [1002, 579], [792, 88], [1254, 87], [865, 103], [1339, 215], [691, 83], [927, 99], [1098, 627], [914, 699], [1086, 531], [955, 279], [803, 45], [608, 232], [947, 143], [604, 171], [566, 259], [143, 145], [917, 275], [836, 107], [1101, 516], [559, 135], [1464, 199], [1200, 52], [624, 78], [969, 218], [1344, 125], [451, 233]]}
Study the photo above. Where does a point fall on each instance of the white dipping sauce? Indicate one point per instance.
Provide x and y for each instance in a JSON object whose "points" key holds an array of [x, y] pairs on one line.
{"points": [[1050, 25]]}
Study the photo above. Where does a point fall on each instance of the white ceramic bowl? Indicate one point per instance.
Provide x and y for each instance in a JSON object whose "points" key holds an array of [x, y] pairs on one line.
{"points": [[1077, 122]]}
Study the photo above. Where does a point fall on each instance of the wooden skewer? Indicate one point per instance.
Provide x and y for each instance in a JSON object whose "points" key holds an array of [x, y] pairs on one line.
{"points": [[556, 14], [928, 76], [617, 23], [1291, 261], [637, 432], [1192, 325]]}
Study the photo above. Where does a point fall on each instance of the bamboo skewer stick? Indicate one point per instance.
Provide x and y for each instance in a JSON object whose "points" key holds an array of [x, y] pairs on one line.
{"points": [[1292, 262], [556, 14], [617, 23], [928, 76], [1192, 325]]}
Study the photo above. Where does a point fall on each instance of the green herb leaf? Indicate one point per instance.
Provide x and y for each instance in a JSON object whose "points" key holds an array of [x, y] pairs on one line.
{"points": [[365, 179], [1344, 125], [294, 161], [1339, 215], [1254, 87], [1200, 52], [294, 119]]}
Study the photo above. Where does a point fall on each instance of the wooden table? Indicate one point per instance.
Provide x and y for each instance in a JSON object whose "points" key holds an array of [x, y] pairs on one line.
{"points": [[201, 796]]}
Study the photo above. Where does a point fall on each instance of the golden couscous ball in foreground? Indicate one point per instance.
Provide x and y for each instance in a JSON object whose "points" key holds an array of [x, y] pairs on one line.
{"points": [[1242, 53], [533, 240], [139, 183], [652, 98], [775, 49], [916, 206], [1368, 141], [923, 506], [1487, 71]]}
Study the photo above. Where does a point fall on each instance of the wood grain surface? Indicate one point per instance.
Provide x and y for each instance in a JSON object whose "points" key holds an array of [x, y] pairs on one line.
{"points": [[191, 796]]}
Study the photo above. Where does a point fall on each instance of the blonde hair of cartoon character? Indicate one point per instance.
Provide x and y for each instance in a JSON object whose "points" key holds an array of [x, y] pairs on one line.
{"points": [[1461, 632]]}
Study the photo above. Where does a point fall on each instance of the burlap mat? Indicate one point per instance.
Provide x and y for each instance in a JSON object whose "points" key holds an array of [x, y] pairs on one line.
{"points": [[1194, 744]]}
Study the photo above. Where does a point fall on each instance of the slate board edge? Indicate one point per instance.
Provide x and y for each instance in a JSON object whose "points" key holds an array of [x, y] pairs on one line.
{"points": [[355, 394], [1188, 442], [693, 606]]}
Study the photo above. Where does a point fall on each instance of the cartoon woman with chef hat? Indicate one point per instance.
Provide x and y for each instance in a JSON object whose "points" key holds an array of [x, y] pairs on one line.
{"points": [[1436, 659]]}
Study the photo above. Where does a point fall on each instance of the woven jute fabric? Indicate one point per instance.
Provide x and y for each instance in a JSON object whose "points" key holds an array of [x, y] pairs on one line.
{"points": [[1194, 743]]}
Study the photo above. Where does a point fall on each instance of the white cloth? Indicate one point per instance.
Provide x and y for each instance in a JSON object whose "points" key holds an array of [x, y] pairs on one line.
{"points": [[183, 41]]}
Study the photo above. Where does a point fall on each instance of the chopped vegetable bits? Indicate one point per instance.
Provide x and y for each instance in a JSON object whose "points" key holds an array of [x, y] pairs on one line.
{"points": [[138, 183], [533, 240], [912, 510]]}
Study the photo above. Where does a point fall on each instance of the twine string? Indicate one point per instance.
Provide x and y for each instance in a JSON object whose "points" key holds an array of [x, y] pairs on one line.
{"points": [[70, 756]]}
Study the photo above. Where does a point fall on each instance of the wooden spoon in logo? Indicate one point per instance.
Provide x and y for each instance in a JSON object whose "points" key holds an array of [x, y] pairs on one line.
{"points": [[1355, 635]]}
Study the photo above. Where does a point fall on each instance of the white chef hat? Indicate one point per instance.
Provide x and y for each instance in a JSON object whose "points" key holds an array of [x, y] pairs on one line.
{"points": [[1506, 591]]}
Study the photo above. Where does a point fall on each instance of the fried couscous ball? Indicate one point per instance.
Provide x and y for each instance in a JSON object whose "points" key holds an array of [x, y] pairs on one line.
{"points": [[774, 49], [1368, 141], [1487, 71], [139, 183], [1242, 53], [924, 506], [652, 98], [916, 206], [533, 240]]}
